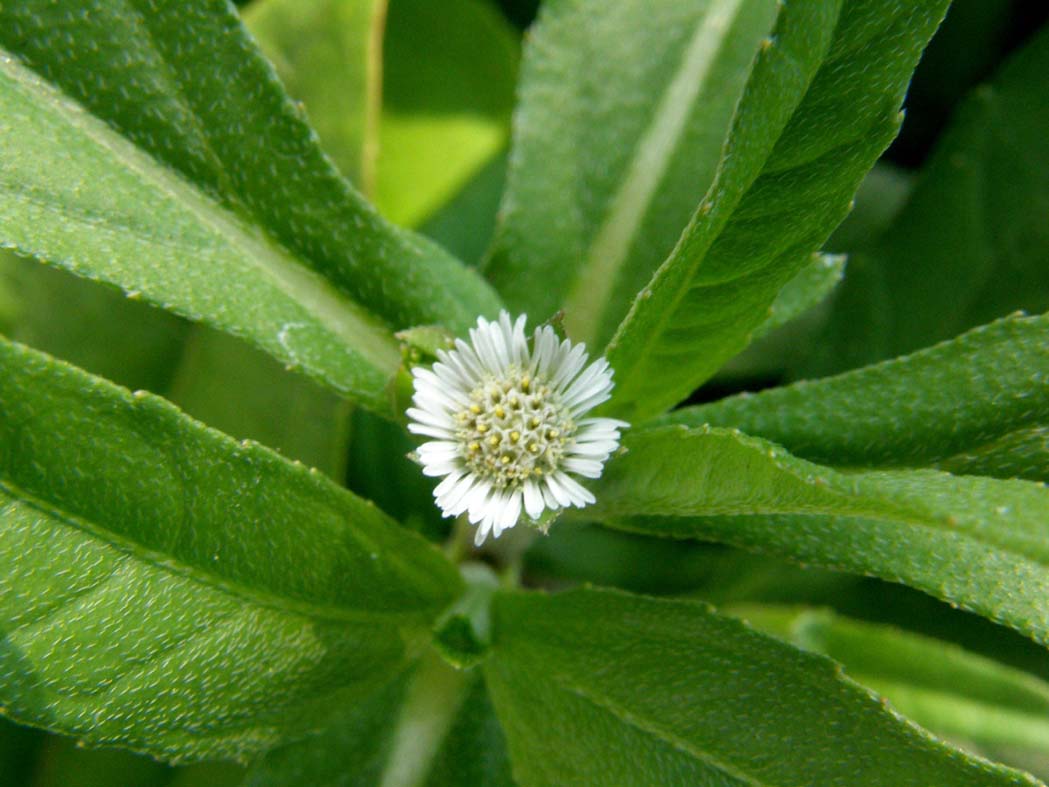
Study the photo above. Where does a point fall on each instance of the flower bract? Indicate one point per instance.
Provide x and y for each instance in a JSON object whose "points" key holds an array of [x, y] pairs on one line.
{"points": [[507, 418]]}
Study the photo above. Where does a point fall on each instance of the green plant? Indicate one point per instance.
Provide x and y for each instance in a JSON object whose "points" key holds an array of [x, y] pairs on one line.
{"points": [[674, 174]]}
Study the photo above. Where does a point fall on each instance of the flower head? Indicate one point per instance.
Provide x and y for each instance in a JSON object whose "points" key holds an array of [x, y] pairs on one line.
{"points": [[509, 427]]}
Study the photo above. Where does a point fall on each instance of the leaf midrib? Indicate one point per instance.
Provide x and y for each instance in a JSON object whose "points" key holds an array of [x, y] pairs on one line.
{"points": [[656, 731], [610, 247], [362, 334]]}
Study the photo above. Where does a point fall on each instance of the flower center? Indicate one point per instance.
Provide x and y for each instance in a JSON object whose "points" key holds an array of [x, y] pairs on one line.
{"points": [[515, 428]]}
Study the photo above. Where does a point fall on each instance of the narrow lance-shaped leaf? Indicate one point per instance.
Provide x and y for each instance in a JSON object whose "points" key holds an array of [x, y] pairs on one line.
{"points": [[603, 688], [974, 224], [329, 55], [170, 590], [820, 106], [597, 196], [980, 543], [110, 212], [948, 690], [967, 404], [183, 82]]}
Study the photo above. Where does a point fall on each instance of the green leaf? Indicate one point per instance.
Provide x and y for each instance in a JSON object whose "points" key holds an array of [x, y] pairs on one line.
{"points": [[328, 54], [821, 104], [597, 196], [806, 290], [200, 578], [112, 213], [979, 403], [954, 693], [597, 687], [977, 542], [449, 70], [117, 212], [236, 389], [219, 117], [975, 225]]}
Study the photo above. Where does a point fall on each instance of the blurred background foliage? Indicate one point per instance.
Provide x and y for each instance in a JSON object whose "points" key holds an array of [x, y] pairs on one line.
{"points": [[413, 100]]}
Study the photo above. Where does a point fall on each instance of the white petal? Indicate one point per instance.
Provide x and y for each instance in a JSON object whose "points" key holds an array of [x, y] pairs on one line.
{"points": [[444, 402], [544, 349], [479, 502], [491, 517], [458, 500], [506, 331], [447, 484], [510, 514], [591, 402], [485, 338], [451, 378], [429, 431], [533, 499], [495, 515], [571, 362], [548, 497], [519, 344], [611, 424], [591, 380], [430, 419], [589, 450], [558, 491], [435, 469], [589, 468], [467, 358], [581, 496], [481, 534], [430, 384], [438, 448]]}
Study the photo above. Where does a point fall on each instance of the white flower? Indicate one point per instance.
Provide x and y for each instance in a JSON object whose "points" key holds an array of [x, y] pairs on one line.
{"points": [[508, 424]]}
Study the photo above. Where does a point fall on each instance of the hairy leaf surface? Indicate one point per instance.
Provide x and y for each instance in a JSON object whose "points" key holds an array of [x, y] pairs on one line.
{"points": [[821, 104], [598, 195], [604, 688], [140, 550], [981, 543], [978, 403], [112, 213], [184, 83], [948, 690]]}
